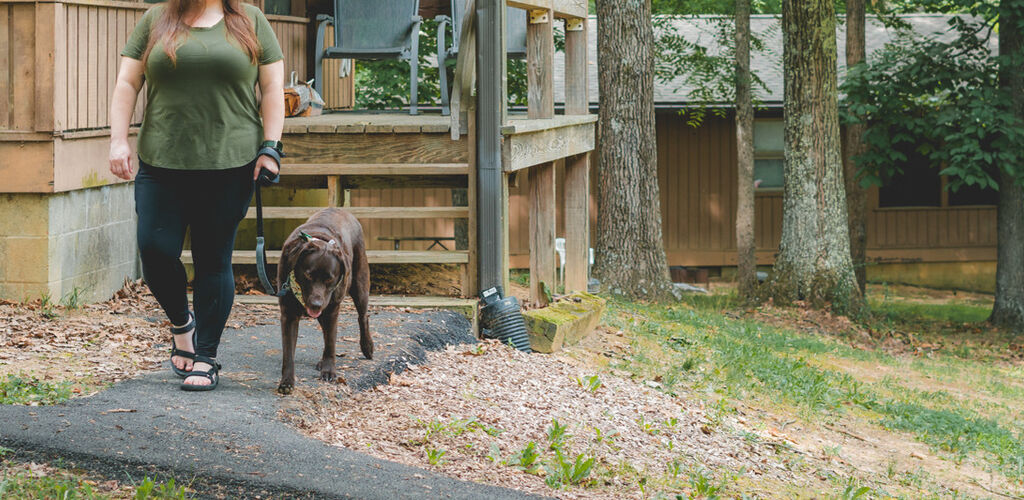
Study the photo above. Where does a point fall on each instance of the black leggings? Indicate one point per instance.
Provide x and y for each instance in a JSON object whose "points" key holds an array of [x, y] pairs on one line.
{"points": [[211, 203]]}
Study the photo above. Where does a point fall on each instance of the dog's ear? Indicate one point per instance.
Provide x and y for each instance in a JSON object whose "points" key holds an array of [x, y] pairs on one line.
{"points": [[289, 256]]}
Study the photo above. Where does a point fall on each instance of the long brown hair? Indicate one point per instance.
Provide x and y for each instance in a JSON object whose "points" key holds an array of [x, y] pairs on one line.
{"points": [[170, 28]]}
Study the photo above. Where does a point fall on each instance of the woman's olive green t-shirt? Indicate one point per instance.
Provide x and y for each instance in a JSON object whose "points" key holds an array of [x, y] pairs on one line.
{"points": [[202, 113]]}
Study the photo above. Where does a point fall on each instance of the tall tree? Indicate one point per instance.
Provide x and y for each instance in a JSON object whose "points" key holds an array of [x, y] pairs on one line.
{"points": [[814, 261], [746, 258], [853, 146], [1008, 310], [630, 251]]}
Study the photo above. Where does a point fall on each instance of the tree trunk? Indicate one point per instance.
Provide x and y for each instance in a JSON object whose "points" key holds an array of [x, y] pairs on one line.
{"points": [[630, 258], [746, 259], [853, 145], [814, 261], [1008, 311]]}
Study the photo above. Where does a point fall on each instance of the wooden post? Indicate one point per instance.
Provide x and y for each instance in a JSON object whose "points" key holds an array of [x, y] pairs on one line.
{"points": [[576, 98], [542, 231], [577, 169], [577, 222], [540, 61], [335, 191], [540, 58], [470, 283]]}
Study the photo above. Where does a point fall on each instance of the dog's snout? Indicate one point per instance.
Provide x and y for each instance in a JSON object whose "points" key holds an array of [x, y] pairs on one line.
{"points": [[316, 302]]}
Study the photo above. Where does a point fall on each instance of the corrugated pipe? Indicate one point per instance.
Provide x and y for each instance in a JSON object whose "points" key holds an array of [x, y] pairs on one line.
{"points": [[501, 318]]}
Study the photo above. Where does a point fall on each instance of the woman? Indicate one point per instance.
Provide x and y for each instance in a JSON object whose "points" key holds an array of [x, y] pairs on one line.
{"points": [[198, 160]]}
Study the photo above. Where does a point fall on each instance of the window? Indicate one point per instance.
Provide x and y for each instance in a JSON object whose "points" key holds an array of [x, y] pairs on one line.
{"points": [[919, 185], [769, 143], [975, 195]]}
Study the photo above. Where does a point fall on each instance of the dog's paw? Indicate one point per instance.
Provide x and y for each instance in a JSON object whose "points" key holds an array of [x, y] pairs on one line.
{"points": [[328, 375], [285, 388], [367, 348]]}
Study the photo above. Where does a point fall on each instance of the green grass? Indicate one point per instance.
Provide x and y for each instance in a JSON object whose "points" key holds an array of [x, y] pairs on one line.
{"points": [[25, 389], [902, 312], [742, 358], [69, 486]]}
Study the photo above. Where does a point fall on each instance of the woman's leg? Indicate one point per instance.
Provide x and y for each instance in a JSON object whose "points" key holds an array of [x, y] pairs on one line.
{"points": [[161, 234], [221, 204]]}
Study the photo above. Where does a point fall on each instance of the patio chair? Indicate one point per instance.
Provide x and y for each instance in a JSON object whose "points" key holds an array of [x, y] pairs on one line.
{"points": [[383, 29], [515, 43]]}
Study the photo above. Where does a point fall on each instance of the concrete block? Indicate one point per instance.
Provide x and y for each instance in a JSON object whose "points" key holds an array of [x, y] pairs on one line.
{"points": [[67, 251], [564, 322], [24, 214], [23, 292], [25, 259]]}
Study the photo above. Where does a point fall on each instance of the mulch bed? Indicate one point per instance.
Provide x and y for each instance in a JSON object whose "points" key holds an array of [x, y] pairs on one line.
{"points": [[481, 405]]}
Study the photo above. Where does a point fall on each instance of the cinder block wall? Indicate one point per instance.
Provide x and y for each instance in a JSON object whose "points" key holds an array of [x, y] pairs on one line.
{"points": [[54, 244]]}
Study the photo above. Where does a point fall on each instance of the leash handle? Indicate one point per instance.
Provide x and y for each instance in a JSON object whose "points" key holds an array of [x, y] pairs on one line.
{"points": [[261, 254]]}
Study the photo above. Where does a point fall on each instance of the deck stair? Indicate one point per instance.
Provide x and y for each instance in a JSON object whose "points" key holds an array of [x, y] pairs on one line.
{"points": [[375, 151]]}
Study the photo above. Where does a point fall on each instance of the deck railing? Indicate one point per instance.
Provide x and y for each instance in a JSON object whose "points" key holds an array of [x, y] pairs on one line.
{"points": [[530, 146]]}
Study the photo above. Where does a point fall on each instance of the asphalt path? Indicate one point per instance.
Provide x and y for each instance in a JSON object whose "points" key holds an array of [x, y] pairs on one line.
{"points": [[231, 442]]}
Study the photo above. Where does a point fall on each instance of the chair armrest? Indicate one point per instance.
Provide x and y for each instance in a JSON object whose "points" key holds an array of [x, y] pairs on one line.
{"points": [[442, 51]]}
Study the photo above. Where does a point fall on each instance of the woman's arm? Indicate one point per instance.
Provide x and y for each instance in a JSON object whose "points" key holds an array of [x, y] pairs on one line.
{"points": [[271, 109], [122, 106]]}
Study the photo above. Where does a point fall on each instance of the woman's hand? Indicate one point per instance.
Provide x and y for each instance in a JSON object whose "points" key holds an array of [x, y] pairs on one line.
{"points": [[121, 158], [264, 161]]}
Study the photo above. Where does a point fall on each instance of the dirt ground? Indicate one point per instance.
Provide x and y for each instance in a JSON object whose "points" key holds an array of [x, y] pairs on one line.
{"points": [[605, 418]]}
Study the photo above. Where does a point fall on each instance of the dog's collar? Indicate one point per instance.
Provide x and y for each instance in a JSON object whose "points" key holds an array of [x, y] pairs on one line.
{"points": [[306, 237], [293, 286]]}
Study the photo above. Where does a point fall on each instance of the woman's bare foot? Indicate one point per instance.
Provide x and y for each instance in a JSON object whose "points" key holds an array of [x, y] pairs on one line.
{"points": [[199, 366], [183, 342]]}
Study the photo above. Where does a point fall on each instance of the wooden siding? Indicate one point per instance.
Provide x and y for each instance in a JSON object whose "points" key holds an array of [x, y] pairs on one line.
{"points": [[59, 61], [697, 180], [291, 35], [339, 93]]}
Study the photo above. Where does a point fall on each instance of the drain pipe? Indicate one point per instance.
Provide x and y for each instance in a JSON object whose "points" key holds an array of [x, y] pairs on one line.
{"points": [[501, 318]]}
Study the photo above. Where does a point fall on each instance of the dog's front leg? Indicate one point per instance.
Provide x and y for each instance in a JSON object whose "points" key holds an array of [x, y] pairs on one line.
{"points": [[289, 337], [329, 325]]}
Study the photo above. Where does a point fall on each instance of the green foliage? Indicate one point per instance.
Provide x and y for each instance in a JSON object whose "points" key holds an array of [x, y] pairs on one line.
{"points": [[682, 63], [591, 383], [47, 308], [69, 487], [435, 456], [702, 486], [938, 99], [526, 458], [561, 471], [73, 299], [26, 389], [853, 492], [385, 84], [150, 489], [557, 435], [26, 486]]}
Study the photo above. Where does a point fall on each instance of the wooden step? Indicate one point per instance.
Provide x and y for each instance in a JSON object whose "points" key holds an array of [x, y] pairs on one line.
{"points": [[418, 302], [374, 256], [366, 212], [375, 169]]}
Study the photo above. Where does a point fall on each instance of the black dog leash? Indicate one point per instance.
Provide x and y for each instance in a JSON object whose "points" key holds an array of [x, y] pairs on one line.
{"points": [[266, 178]]}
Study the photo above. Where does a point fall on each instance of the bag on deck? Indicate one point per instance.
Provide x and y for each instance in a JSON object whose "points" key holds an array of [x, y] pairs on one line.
{"points": [[300, 99]]}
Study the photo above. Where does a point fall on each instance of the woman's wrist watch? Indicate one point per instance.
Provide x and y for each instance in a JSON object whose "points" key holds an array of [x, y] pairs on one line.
{"points": [[275, 145]]}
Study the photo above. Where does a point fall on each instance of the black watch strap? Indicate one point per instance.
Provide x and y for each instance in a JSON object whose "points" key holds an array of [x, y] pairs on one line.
{"points": [[273, 145]]}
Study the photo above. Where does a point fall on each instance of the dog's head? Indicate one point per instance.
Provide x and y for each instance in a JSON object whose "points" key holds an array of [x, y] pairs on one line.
{"points": [[319, 269]]}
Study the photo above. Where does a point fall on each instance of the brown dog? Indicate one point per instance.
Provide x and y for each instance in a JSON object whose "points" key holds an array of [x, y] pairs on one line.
{"points": [[321, 261]]}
